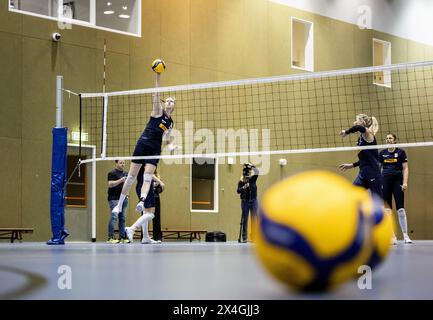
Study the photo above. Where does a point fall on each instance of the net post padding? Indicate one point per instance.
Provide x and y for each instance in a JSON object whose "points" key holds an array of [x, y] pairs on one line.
{"points": [[58, 180]]}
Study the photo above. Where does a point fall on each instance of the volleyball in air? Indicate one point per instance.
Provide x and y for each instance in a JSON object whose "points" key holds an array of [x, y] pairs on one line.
{"points": [[314, 231], [158, 65]]}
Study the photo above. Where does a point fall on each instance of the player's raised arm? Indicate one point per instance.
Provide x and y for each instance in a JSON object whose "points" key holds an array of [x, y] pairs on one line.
{"points": [[156, 106]]}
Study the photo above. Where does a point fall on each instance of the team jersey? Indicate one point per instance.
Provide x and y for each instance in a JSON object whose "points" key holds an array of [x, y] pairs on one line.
{"points": [[114, 192], [392, 162], [155, 129], [369, 163]]}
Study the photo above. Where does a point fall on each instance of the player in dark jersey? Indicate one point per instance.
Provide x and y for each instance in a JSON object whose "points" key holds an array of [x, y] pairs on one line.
{"points": [[150, 205], [149, 144], [369, 176], [395, 172]]}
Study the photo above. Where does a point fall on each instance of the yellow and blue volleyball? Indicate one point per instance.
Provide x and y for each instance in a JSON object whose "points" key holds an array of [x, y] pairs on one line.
{"points": [[383, 225], [312, 231], [158, 65]]}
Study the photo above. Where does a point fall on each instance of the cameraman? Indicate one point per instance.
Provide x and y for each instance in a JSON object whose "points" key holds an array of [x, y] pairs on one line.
{"points": [[247, 189]]}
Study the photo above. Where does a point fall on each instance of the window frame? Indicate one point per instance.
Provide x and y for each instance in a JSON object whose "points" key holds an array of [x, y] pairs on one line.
{"points": [[215, 189], [92, 18], [386, 84]]}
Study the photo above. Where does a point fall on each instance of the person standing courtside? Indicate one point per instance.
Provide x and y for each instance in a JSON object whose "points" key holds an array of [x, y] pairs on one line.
{"points": [[116, 179], [395, 172], [247, 189]]}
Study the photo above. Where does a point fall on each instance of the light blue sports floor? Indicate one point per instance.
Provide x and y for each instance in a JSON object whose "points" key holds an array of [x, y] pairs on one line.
{"points": [[184, 270]]}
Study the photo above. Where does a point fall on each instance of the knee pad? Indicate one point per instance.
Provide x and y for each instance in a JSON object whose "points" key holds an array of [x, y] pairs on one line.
{"points": [[147, 177], [130, 180], [149, 216]]}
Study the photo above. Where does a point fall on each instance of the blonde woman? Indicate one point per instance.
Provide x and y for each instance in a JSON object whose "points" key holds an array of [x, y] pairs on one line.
{"points": [[369, 176]]}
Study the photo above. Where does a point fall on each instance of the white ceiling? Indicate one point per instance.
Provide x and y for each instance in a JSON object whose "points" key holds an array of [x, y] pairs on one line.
{"points": [[409, 19]]}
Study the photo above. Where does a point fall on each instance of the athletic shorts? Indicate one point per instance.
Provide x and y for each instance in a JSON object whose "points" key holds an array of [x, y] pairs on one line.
{"points": [[141, 150]]}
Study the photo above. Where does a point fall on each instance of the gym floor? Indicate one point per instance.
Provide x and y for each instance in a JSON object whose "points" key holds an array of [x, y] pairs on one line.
{"points": [[186, 271]]}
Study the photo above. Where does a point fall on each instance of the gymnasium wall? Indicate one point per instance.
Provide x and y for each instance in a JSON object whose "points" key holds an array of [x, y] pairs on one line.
{"points": [[201, 41]]}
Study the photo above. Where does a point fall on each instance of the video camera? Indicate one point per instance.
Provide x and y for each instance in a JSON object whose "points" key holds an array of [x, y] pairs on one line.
{"points": [[247, 169]]}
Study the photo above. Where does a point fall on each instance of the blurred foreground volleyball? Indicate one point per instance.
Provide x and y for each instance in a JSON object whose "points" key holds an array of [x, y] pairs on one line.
{"points": [[383, 226], [315, 229]]}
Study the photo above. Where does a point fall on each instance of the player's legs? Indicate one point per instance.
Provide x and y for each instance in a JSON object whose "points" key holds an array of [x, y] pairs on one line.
{"points": [[376, 185], [145, 218], [399, 204], [145, 227], [244, 220], [359, 182], [149, 201], [254, 217], [148, 214], [387, 191], [149, 205], [157, 234], [149, 170], [112, 221], [388, 182], [122, 219]]}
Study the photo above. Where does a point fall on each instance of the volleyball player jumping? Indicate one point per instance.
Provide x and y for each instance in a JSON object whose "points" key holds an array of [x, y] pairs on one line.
{"points": [[159, 125]]}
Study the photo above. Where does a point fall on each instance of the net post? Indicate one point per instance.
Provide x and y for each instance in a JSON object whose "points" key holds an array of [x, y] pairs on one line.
{"points": [[104, 127], [81, 121], [58, 172], [94, 195], [59, 101]]}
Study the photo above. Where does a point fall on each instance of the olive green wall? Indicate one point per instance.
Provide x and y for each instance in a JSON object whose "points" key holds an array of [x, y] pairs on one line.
{"points": [[201, 41]]}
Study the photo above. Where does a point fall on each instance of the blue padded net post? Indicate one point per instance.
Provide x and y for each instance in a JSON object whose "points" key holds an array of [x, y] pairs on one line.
{"points": [[58, 182], [58, 172]]}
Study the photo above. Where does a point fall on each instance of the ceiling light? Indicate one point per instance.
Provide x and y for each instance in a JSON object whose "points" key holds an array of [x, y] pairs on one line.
{"points": [[125, 8], [108, 12], [124, 16], [108, 3]]}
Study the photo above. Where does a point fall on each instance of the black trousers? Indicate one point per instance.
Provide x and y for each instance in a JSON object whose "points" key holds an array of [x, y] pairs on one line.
{"points": [[247, 206], [157, 234]]}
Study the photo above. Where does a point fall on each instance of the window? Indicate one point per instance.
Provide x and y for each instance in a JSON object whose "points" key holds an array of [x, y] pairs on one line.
{"points": [[302, 45], [118, 16], [382, 57], [76, 187], [204, 185], [76, 10], [38, 7]]}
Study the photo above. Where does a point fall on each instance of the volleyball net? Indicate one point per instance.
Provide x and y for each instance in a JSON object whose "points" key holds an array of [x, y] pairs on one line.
{"points": [[277, 115]]}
